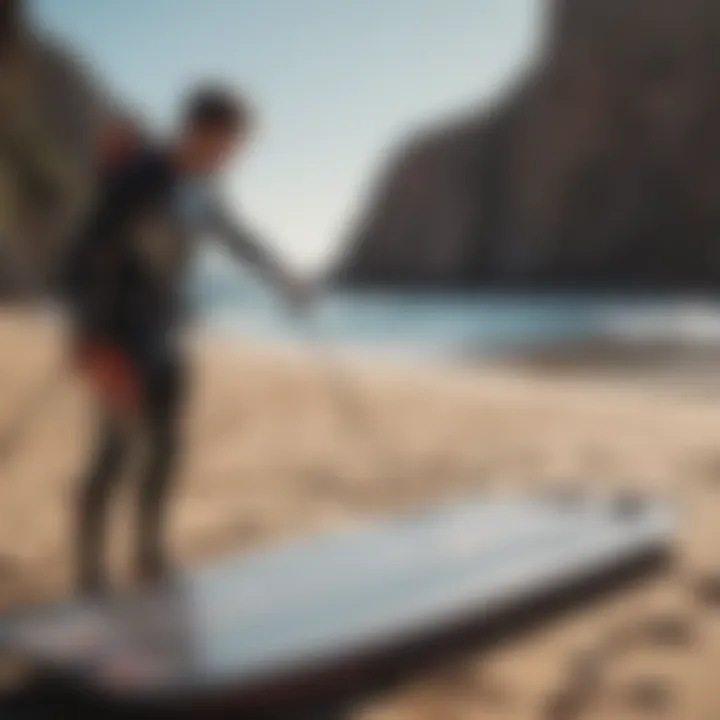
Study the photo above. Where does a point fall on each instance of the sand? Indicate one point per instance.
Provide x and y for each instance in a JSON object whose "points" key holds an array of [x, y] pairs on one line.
{"points": [[274, 453]]}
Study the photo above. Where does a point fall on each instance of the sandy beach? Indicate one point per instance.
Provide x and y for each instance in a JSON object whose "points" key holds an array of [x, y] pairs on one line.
{"points": [[270, 457]]}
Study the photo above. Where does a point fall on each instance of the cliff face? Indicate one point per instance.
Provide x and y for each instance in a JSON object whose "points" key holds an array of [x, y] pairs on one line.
{"points": [[51, 112], [602, 170]]}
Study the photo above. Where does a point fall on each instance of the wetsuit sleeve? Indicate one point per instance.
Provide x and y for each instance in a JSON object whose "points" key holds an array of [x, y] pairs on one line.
{"points": [[245, 245]]}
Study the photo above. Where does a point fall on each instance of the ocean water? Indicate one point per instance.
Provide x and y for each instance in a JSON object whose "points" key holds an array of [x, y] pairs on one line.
{"points": [[448, 325]]}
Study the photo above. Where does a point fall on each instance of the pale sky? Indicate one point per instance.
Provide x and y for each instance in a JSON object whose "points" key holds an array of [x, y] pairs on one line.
{"points": [[337, 84]]}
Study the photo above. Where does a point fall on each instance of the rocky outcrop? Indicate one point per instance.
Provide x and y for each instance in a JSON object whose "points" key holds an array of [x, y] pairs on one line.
{"points": [[601, 169], [51, 111]]}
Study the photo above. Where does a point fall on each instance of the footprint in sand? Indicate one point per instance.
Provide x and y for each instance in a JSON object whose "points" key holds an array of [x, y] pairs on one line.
{"points": [[651, 696], [585, 669], [584, 681], [707, 590], [668, 631], [565, 705]]}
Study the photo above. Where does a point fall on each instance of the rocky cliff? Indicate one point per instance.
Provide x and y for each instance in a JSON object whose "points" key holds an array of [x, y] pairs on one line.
{"points": [[51, 112], [601, 169]]}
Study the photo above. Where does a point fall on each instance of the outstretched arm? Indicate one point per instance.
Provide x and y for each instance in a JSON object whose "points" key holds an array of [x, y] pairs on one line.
{"points": [[249, 249], [245, 246]]}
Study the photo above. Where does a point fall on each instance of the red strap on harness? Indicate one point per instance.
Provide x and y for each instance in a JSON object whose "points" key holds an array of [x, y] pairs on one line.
{"points": [[112, 376]]}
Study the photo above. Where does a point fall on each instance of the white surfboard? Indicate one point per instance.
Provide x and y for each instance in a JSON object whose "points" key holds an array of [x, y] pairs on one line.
{"points": [[253, 619]]}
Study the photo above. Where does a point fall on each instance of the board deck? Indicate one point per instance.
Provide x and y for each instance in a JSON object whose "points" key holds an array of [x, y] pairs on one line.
{"points": [[249, 621]]}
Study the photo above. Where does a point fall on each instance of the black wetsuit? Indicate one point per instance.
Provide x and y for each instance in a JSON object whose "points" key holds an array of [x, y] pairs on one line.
{"points": [[126, 287]]}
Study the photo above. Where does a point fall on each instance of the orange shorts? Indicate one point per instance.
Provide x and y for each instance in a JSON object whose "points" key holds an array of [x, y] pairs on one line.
{"points": [[111, 375]]}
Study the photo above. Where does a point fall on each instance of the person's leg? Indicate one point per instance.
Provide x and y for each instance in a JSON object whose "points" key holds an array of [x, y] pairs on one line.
{"points": [[96, 491], [164, 393]]}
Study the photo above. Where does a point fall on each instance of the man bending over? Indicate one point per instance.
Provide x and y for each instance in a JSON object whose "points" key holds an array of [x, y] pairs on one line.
{"points": [[126, 283]]}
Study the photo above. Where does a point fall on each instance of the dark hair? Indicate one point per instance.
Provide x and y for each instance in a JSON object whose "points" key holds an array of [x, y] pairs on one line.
{"points": [[214, 107]]}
